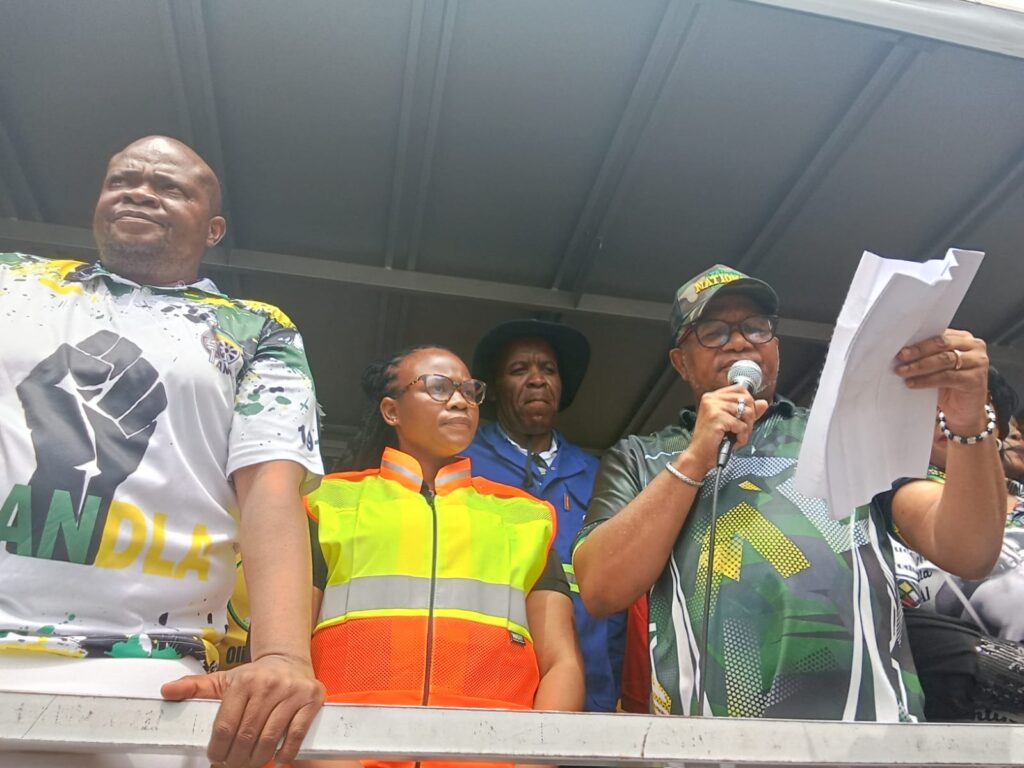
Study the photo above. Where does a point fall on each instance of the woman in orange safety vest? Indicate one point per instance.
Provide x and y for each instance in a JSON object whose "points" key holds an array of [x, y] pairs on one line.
{"points": [[434, 587]]}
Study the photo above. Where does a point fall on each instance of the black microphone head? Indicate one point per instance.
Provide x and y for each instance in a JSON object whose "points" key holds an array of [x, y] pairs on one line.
{"points": [[747, 373]]}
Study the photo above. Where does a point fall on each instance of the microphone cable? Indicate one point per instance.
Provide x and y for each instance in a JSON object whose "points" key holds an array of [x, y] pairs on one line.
{"points": [[712, 535], [748, 373]]}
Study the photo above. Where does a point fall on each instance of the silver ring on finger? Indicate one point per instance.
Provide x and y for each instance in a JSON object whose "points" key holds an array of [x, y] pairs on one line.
{"points": [[741, 407], [959, 360]]}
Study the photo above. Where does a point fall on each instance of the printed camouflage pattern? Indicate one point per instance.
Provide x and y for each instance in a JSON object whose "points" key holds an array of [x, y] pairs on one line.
{"points": [[694, 295], [137, 646], [787, 638]]}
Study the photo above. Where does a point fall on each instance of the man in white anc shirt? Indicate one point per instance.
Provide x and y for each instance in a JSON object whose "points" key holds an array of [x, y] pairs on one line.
{"points": [[149, 425]]}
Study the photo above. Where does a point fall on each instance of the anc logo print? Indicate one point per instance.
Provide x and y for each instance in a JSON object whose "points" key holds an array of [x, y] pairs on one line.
{"points": [[92, 409]]}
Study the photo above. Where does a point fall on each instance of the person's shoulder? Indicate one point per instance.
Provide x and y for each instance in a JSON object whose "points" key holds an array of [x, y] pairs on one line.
{"points": [[205, 292], [784, 417], [337, 486], [268, 311], [37, 266], [487, 487], [15, 259], [679, 432], [649, 449]]}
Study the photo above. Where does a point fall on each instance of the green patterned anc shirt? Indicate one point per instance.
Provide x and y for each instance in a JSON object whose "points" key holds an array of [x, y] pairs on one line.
{"points": [[805, 621], [124, 411]]}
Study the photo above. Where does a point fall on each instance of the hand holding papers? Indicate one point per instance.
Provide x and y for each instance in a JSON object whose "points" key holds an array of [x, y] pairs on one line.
{"points": [[866, 427]]}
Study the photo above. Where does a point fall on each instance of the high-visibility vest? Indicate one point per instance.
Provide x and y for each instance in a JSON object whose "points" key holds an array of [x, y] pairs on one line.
{"points": [[425, 599]]}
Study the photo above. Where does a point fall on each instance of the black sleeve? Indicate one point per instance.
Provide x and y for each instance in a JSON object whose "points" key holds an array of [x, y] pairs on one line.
{"points": [[617, 483], [319, 564], [553, 577]]}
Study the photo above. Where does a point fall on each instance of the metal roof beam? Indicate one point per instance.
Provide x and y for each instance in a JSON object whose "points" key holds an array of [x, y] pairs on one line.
{"points": [[52, 239], [451, 9], [666, 46], [184, 29], [961, 23], [837, 140], [412, 56], [394, 309], [990, 195], [1012, 332]]}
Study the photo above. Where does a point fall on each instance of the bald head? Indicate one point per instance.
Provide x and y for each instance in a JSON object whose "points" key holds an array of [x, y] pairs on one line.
{"points": [[158, 212], [169, 147]]}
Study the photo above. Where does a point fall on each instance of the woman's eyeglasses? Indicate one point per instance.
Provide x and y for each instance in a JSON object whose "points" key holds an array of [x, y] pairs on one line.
{"points": [[441, 388], [757, 329]]}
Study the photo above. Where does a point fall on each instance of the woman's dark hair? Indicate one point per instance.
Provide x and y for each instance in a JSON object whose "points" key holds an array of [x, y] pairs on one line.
{"points": [[1004, 400], [378, 382]]}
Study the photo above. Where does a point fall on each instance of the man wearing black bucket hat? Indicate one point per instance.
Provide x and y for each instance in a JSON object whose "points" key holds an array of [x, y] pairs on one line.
{"points": [[534, 369]]}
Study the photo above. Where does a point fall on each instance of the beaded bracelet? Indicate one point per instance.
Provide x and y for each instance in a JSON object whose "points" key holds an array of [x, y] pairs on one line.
{"points": [[990, 427], [685, 478]]}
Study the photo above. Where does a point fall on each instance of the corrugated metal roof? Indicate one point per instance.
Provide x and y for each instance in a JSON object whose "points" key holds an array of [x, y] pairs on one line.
{"points": [[420, 170]]}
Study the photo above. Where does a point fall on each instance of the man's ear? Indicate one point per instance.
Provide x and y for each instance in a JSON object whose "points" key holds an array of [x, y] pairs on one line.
{"points": [[218, 226], [389, 411], [675, 356]]}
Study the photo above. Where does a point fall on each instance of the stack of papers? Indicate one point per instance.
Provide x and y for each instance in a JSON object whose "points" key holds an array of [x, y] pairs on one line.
{"points": [[866, 427]]}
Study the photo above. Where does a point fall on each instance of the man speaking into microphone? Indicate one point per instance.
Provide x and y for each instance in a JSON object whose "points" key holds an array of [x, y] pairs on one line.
{"points": [[803, 618]]}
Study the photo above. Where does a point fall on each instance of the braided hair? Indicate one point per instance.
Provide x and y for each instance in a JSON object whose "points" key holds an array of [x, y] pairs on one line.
{"points": [[375, 434]]}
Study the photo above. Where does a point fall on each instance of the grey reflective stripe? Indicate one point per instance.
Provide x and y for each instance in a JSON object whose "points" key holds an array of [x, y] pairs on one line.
{"points": [[570, 576], [381, 593], [454, 476], [499, 600], [375, 593], [403, 471]]}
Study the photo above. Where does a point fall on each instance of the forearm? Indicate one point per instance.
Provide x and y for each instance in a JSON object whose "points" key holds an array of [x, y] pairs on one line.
{"points": [[622, 557], [960, 527], [970, 517], [275, 554], [561, 687], [559, 661]]}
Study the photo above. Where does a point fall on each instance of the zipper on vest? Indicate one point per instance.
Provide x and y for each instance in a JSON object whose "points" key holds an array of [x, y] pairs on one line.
{"points": [[429, 496]]}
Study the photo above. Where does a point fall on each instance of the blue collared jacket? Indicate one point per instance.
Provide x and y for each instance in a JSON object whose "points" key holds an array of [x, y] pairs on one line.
{"points": [[567, 485]]}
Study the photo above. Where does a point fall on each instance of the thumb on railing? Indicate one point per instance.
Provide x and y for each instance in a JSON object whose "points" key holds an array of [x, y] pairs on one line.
{"points": [[211, 686]]}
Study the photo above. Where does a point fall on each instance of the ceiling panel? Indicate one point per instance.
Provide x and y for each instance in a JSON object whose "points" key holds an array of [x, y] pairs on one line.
{"points": [[533, 95], [996, 299], [308, 100], [750, 98], [80, 81], [951, 125]]}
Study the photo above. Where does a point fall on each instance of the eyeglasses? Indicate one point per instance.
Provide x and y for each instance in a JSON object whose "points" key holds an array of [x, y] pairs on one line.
{"points": [[441, 388], [757, 329]]}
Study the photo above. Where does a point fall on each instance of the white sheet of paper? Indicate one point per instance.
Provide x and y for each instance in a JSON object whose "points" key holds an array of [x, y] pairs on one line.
{"points": [[866, 427]]}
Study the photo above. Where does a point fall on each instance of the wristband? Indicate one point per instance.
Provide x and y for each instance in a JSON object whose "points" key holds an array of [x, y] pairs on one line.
{"points": [[990, 427], [685, 478]]}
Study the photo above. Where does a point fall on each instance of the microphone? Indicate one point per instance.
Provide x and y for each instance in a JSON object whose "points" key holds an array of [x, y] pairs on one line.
{"points": [[747, 373]]}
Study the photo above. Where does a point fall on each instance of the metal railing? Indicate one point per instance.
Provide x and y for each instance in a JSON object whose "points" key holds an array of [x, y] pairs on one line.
{"points": [[85, 724]]}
